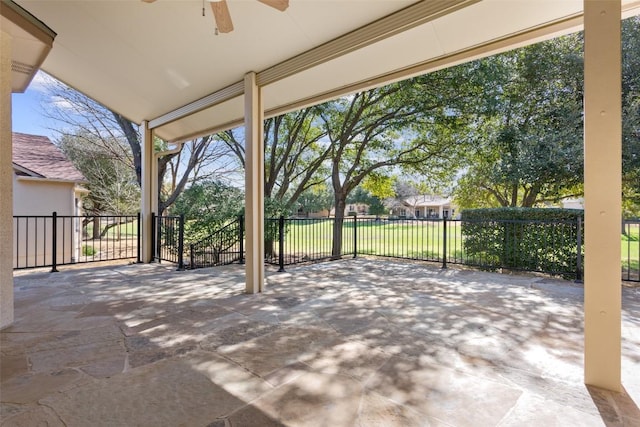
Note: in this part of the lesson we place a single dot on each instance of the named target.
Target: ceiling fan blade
(281, 5)
(221, 14)
(148, 1)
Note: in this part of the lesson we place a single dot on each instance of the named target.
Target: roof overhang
(31, 42)
(25, 172)
(49, 180)
(162, 63)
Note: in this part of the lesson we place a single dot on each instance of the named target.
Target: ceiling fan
(221, 14)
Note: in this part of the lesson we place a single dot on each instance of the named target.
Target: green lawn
(406, 238)
(122, 231)
(630, 245)
(410, 239)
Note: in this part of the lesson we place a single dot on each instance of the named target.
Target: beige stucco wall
(32, 237)
(6, 176)
(42, 197)
(320, 214)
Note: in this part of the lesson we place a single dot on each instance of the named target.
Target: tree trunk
(340, 203)
(96, 227)
(268, 247)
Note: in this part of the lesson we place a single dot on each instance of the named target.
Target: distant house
(573, 203)
(302, 213)
(44, 181)
(424, 206)
(353, 209)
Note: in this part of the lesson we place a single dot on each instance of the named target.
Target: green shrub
(88, 250)
(543, 240)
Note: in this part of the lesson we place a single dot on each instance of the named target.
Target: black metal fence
(552, 247)
(168, 239)
(225, 246)
(298, 240)
(54, 240)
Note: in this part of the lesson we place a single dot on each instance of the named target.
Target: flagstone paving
(347, 343)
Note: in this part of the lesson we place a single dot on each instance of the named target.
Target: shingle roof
(39, 155)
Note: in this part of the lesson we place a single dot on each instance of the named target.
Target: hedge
(533, 239)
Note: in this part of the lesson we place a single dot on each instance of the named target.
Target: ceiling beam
(215, 98)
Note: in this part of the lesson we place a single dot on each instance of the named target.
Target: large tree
(78, 116)
(111, 181)
(529, 132)
(411, 124)
(294, 154)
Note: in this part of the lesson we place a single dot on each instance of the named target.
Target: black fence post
(54, 242)
(139, 256)
(241, 237)
(154, 236)
(281, 244)
(355, 235)
(181, 243)
(579, 250)
(444, 242)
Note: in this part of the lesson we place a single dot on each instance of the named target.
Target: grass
(410, 239)
(630, 248)
(129, 229)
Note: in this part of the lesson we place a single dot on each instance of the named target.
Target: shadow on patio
(345, 343)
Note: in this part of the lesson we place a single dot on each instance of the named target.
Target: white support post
(6, 183)
(147, 191)
(254, 184)
(602, 189)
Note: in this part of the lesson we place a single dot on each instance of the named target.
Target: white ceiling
(145, 60)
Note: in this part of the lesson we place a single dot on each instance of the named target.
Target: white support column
(6, 183)
(254, 184)
(147, 195)
(602, 189)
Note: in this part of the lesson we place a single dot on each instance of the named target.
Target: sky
(27, 110)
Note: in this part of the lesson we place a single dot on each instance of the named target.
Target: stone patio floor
(346, 343)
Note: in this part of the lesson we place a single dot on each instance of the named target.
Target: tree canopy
(111, 181)
(79, 117)
(294, 154)
(631, 116)
(207, 206)
(528, 131)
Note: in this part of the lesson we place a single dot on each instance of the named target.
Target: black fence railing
(551, 247)
(298, 240)
(168, 239)
(225, 246)
(489, 245)
(55, 240)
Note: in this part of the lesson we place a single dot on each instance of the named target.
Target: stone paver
(347, 343)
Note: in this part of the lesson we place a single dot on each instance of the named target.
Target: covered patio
(352, 342)
(162, 66)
